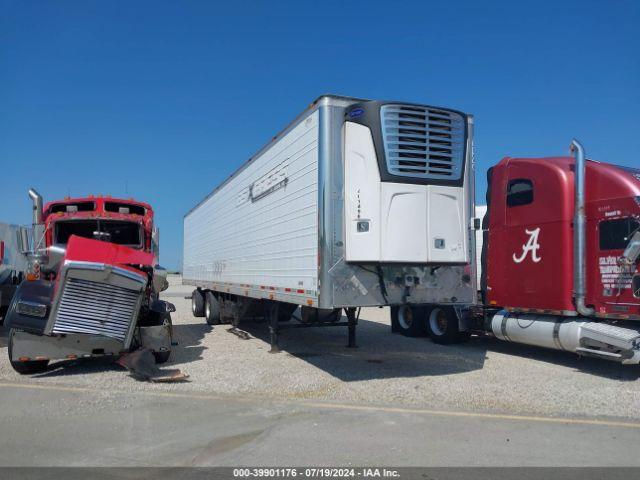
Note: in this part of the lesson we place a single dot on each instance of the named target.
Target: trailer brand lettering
(269, 183)
(532, 246)
(356, 112)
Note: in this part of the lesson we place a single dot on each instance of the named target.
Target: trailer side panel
(257, 235)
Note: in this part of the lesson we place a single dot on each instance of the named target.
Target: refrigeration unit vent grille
(96, 308)
(423, 142)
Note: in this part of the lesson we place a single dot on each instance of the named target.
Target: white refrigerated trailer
(355, 203)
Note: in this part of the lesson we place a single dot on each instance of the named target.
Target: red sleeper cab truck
(559, 261)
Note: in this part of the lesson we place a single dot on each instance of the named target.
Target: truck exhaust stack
(36, 198)
(579, 232)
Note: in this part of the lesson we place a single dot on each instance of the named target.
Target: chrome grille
(423, 142)
(96, 308)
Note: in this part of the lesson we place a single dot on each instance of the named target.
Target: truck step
(613, 335)
(598, 353)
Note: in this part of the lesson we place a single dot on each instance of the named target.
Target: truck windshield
(122, 233)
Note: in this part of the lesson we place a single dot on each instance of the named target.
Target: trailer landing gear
(273, 327)
(352, 321)
(275, 316)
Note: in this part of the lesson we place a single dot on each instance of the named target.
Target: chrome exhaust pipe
(36, 198)
(579, 232)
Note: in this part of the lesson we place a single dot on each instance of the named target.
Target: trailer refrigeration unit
(560, 259)
(92, 284)
(356, 203)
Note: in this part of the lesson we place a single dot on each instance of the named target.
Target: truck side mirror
(632, 252)
(24, 244)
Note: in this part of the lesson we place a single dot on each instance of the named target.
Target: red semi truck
(559, 261)
(92, 285)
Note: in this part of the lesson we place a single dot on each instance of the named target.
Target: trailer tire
(25, 368)
(408, 320)
(442, 325)
(197, 303)
(211, 309)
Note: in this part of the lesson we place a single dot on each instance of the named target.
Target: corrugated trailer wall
(259, 233)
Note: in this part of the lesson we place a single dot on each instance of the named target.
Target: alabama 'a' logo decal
(532, 246)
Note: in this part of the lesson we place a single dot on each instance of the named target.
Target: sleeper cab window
(615, 234)
(519, 192)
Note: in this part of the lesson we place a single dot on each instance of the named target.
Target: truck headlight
(32, 309)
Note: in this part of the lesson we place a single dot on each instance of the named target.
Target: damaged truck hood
(82, 249)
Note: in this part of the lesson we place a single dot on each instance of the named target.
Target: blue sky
(163, 100)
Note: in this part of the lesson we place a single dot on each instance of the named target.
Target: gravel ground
(481, 375)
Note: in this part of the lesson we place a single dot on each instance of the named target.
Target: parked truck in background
(560, 260)
(13, 264)
(356, 203)
(92, 284)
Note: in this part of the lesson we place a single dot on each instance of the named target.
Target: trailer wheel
(25, 368)
(407, 320)
(211, 309)
(442, 325)
(197, 303)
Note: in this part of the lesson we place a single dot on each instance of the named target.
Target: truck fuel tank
(578, 335)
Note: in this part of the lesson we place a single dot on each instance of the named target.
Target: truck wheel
(442, 325)
(211, 309)
(197, 303)
(25, 368)
(407, 320)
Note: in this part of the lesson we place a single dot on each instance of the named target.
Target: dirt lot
(483, 375)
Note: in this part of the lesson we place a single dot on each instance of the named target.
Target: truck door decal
(532, 246)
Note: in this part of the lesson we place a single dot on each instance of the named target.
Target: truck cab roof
(105, 207)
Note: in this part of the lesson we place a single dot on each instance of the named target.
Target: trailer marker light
(309, 302)
(300, 290)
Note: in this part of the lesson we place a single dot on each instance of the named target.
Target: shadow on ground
(378, 355)
(381, 354)
(189, 349)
